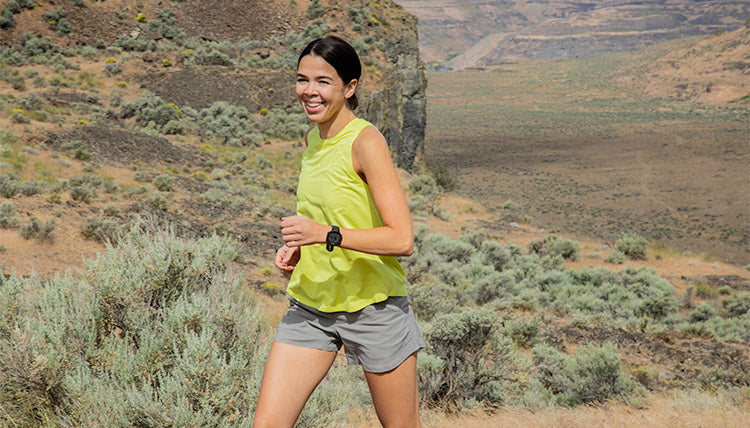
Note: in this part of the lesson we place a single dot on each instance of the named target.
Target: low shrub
(8, 218)
(42, 232)
(510, 212)
(702, 312)
(737, 305)
(592, 375)
(164, 182)
(553, 245)
(456, 345)
(632, 245)
(615, 256)
(423, 185)
(10, 185)
(102, 230)
(155, 332)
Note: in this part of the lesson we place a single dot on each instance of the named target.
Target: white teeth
(313, 105)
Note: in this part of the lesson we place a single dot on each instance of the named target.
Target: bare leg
(291, 374)
(395, 395)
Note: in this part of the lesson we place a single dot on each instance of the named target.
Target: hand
(299, 230)
(287, 258)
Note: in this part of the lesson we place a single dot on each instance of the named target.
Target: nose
(310, 89)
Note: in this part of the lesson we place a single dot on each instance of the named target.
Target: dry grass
(685, 409)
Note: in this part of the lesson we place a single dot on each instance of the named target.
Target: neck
(333, 126)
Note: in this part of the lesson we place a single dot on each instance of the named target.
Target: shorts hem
(301, 345)
(414, 347)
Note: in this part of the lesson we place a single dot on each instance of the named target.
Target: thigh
(290, 376)
(395, 394)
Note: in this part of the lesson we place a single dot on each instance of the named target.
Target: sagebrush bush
(593, 374)
(164, 182)
(553, 245)
(42, 232)
(615, 256)
(737, 305)
(151, 111)
(456, 372)
(102, 230)
(424, 185)
(10, 185)
(8, 218)
(156, 332)
(632, 245)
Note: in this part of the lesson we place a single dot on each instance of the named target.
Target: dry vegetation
(588, 157)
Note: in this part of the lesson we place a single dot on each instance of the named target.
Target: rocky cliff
(461, 34)
(245, 52)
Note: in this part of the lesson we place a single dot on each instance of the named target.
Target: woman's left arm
(371, 159)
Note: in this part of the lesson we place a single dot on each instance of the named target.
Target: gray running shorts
(379, 337)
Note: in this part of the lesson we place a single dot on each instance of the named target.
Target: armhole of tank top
(351, 153)
(304, 139)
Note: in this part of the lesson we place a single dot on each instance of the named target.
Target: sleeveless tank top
(332, 193)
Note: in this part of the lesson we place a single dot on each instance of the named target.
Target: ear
(350, 88)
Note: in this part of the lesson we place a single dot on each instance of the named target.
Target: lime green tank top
(331, 192)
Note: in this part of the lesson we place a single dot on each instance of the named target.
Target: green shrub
(510, 212)
(31, 187)
(429, 300)
(36, 229)
(736, 305)
(423, 185)
(10, 185)
(153, 333)
(224, 122)
(83, 192)
(556, 246)
(56, 18)
(632, 245)
(151, 111)
(705, 291)
(615, 256)
(102, 230)
(658, 306)
(593, 374)
(164, 182)
(418, 205)
(8, 219)
(209, 56)
(315, 9)
(703, 312)
(523, 331)
(456, 343)
(78, 150)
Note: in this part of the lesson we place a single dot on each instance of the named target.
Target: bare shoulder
(370, 149)
(370, 138)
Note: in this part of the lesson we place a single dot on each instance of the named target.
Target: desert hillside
(472, 33)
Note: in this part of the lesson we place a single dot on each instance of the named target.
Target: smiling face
(322, 93)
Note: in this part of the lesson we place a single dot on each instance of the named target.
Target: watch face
(334, 238)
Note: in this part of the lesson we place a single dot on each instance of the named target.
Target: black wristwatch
(333, 238)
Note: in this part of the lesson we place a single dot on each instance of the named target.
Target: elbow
(407, 247)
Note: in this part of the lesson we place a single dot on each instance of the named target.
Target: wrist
(333, 238)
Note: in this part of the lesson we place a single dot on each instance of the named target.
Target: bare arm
(371, 159)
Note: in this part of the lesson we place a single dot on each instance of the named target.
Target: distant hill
(711, 69)
(461, 34)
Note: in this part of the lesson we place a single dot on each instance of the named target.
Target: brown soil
(113, 142)
(199, 87)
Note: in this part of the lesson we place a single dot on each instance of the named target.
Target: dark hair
(342, 57)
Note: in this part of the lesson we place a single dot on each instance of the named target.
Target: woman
(346, 286)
